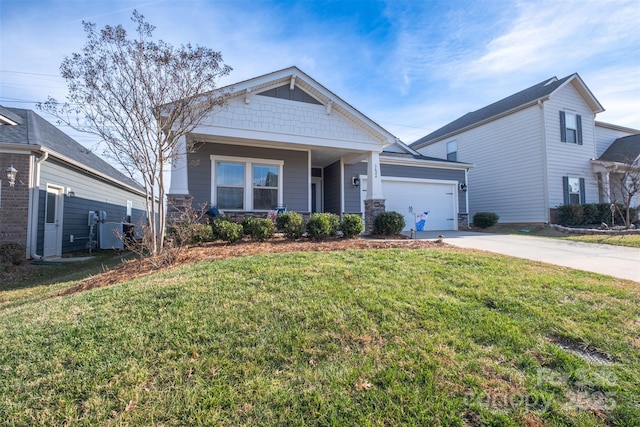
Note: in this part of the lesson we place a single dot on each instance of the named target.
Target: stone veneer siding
(372, 208)
(14, 201)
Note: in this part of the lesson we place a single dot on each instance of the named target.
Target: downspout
(33, 205)
(466, 195)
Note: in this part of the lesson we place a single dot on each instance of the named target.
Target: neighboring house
(57, 183)
(531, 151)
(618, 170)
(284, 140)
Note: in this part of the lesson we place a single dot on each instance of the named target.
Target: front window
(243, 184)
(230, 186)
(574, 191)
(265, 187)
(571, 128)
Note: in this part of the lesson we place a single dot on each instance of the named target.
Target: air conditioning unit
(111, 234)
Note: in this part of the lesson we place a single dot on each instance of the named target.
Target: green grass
(382, 337)
(542, 230)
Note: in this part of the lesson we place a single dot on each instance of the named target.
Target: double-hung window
(574, 190)
(244, 184)
(570, 127)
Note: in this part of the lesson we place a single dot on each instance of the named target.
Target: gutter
(32, 230)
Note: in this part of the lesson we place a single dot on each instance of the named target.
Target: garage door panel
(409, 198)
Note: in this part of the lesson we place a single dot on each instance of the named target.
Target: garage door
(434, 202)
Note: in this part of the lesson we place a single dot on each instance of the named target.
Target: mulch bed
(219, 250)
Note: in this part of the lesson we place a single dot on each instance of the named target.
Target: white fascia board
(617, 127)
(425, 163)
(92, 171)
(584, 91)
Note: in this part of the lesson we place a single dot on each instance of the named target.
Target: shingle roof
(527, 96)
(36, 131)
(391, 154)
(623, 150)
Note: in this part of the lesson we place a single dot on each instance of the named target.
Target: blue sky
(411, 66)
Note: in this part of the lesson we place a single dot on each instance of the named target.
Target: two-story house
(532, 151)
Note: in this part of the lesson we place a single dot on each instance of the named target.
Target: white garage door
(435, 202)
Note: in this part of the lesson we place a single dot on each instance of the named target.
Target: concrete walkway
(616, 261)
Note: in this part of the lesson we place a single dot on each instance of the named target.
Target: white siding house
(531, 151)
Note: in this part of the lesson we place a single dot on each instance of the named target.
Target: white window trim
(248, 178)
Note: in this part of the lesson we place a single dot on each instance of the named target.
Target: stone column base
(177, 205)
(372, 207)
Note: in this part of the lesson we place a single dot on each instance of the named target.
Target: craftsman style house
(284, 140)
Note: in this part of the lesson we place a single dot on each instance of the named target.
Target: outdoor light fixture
(355, 181)
(463, 186)
(11, 175)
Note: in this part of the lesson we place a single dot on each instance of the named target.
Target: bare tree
(139, 96)
(625, 185)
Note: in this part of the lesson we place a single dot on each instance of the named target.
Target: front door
(316, 194)
(53, 222)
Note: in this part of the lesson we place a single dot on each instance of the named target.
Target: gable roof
(511, 104)
(297, 78)
(34, 132)
(623, 150)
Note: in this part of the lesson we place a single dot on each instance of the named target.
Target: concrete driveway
(616, 261)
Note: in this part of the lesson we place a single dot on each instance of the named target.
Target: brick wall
(14, 201)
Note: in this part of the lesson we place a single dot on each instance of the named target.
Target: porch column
(179, 177)
(374, 202)
(178, 197)
(606, 187)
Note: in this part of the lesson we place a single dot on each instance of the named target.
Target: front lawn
(359, 337)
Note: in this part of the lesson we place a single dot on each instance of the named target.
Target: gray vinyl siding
(605, 137)
(353, 194)
(508, 173)
(332, 183)
(295, 172)
(568, 159)
(90, 193)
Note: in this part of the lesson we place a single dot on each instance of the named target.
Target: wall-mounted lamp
(463, 186)
(11, 175)
(355, 181)
(70, 193)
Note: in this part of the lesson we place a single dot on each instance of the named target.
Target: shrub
(351, 225)
(591, 213)
(12, 253)
(192, 233)
(322, 225)
(260, 228)
(230, 231)
(291, 224)
(248, 224)
(485, 219)
(388, 223)
(216, 222)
